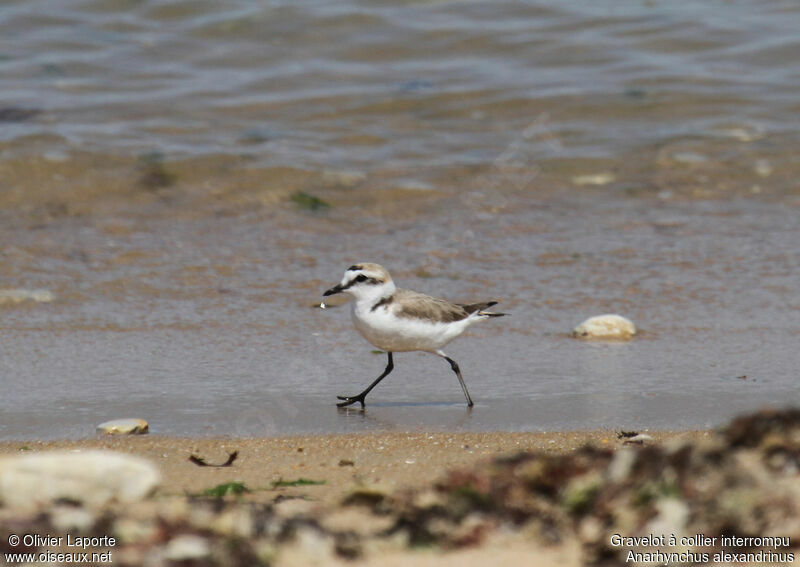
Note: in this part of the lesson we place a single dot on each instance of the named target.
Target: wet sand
(205, 326)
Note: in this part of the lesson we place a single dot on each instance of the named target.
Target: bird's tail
(481, 309)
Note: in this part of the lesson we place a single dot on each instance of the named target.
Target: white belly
(400, 334)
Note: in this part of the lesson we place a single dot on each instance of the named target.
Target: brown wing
(421, 306)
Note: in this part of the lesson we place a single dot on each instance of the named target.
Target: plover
(401, 320)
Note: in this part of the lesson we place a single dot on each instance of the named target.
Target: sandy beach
(342, 462)
(417, 498)
(342, 465)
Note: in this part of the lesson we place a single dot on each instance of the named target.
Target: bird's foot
(350, 400)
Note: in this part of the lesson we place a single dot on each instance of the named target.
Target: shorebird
(401, 320)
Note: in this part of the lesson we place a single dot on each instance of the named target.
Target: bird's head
(365, 281)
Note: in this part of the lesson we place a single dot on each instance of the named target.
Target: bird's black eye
(361, 278)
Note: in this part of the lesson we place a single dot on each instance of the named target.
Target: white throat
(371, 294)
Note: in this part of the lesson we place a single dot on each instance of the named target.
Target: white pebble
(607, 326)
(187, 547)
(594, 179)
(763, 168)
(20, 295)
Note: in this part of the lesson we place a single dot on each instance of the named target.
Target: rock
(308, 547)
(763, 168)
(234, 523)
(187, 548)
(92, 478)
(71, 519)
(594, 179)
(605, 327)
(127, 426)
(690, 158)
(128, 530)
(590, 530)
(20, 295)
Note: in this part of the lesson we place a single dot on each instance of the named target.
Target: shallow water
(159, 160)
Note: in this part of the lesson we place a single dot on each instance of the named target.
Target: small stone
(429, 500)
(607, 326)
(590, 530)
(56, 156)
(357, 520)
(594, 179)
(234, 523)
(128, 530)
(689, 157)
(343, 178)
(294, 507)
(763, 168)
(127, 426)
(187, 548)
(20, 295)
(71, 519)
(309, 547)
(744, 133)
(92, 478)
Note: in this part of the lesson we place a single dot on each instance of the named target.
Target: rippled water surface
(186, 177)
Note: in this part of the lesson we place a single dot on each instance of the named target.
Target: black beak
(335, 289)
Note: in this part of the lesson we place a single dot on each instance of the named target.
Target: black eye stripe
(361, 278)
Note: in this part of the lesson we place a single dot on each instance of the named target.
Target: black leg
(457, 370)
(348, 400)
